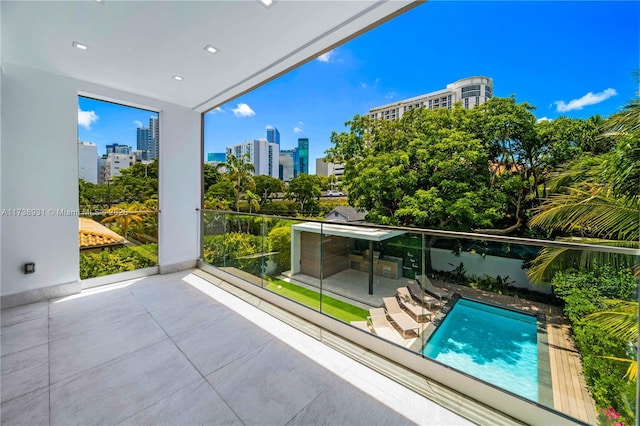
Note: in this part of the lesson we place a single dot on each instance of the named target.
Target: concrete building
(470, 91)
(88, 162)
(264, 156)
(114, 164)
(328, 169)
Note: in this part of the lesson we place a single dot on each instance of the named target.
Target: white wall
(42, 120)
(476, 264)
(39, 134)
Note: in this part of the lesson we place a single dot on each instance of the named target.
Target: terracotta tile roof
(93, 234)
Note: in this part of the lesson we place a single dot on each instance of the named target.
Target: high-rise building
(328, 169)
(264, 156)
(287, 162)
(88, 162)
(302, 156)
(118, 149)
(154, 138)
(273, 135)
(470, 91)
(143, 140)
(216, 157)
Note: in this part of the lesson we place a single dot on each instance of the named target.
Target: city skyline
(566, 58)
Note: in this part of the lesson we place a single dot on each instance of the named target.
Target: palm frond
(621, 320)
(590, 210)
(552, 259)
(632, 370)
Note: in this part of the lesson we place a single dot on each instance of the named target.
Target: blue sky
(566, 58)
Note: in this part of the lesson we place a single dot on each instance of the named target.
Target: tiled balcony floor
(176, 350)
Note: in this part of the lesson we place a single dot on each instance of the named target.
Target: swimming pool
(496, 345)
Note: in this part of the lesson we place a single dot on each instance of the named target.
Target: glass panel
(467, 302)
(235, 244)
(117, 240)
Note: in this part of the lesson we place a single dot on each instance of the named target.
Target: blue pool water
(496, 345)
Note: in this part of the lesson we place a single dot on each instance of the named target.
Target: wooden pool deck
(569, 389)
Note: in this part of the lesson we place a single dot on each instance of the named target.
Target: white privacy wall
(39, 166)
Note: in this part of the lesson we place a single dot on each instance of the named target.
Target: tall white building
(328, 169)
(263, 155)
(114, 163)
(88, 162)
(470, 91)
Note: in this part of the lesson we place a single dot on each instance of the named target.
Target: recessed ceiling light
(209, 48)
(266, 2)
(79, 45)
(177, 77)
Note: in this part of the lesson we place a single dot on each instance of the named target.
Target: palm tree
(597, 202)
(621, 321)
(240, 170)
(124, 215)
(253, 200)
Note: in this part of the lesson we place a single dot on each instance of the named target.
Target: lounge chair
(400, 317)
(363, 325)
(381, 325)
(417, 311)
(419, 296)
(428, 286)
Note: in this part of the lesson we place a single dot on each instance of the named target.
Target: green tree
(136, 183)
(223, 190)
(211, 176)
(240, 172)
(595, 200)
(125, 215)
(267, 187)
(306, 190)
(418, 171)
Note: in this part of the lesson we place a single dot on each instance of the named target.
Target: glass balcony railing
(481, 305)
(116, 240)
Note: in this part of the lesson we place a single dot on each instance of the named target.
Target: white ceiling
(139, 46)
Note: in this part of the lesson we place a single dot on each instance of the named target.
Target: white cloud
(389, 95)
(299, 127)
(268, 126)
(363, 84)
(327, 57)
(138, 123)
(588, 99)
(87, 118)
(216, 110)
(539, 120)
(243, 110)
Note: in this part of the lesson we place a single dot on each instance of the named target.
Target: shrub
(583, 293)
(279, 240)
(112, 262)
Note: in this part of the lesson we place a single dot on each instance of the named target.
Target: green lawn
(330, 306)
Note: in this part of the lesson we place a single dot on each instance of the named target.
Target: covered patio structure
(320, 250)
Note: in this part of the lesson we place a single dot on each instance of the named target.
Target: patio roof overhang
(138, 46)
(361, 233)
